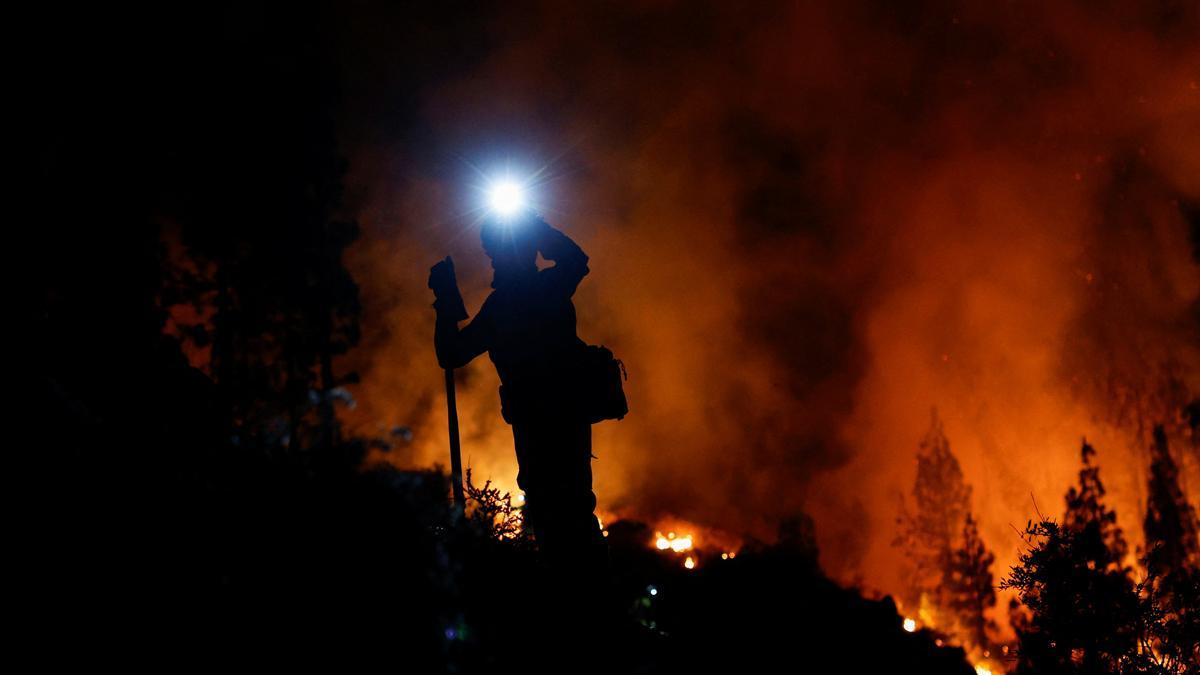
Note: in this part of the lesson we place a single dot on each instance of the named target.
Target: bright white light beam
(505, 198)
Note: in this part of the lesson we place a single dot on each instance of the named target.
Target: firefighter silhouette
(527, 327)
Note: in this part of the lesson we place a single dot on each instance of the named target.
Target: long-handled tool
(450, 308)
(456, 477)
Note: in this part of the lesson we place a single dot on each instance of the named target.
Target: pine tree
(1085, 614)
(1170, 524)
(1172, 560)
(969, 586)
(1087, 514)
(928, 534)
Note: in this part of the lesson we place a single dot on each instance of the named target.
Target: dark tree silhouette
(263, 242)
(1172, 559)
(199, 500)
(928, 533)
(1087, 513)
(970, 589)
(1170, 525)
(1084, 612)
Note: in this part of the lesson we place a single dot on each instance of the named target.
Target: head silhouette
(512, 244)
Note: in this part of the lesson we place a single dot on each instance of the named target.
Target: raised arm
(570, 262)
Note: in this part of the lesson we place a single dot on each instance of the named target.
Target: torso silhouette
(527, 327)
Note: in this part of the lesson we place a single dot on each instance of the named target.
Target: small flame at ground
(690, 563)
(981, 669)
(670, 541)
(910, 625)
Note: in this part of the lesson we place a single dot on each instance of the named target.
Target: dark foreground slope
(148, 564)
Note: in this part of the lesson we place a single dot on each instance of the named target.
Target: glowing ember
(910, 625)
(690, 563)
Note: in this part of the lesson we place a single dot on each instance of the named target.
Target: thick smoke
(808, 225)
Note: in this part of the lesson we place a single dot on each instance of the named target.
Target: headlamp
(505, 198)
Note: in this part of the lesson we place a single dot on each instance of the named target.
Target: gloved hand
(558, 247)
(449, 302)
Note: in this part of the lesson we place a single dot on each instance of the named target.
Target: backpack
(602, 385)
